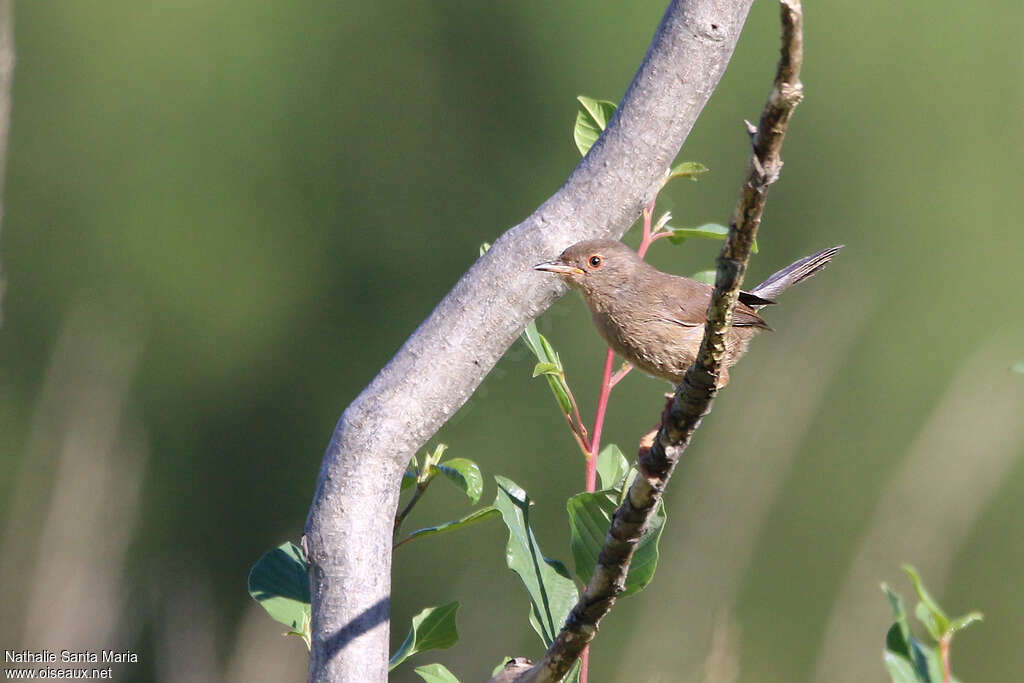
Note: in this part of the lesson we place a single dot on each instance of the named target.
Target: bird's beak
(558, 267)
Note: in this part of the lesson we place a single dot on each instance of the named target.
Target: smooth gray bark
(350, 524)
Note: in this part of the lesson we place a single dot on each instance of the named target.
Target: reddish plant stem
(580, 440)
(661, 235)
(621, 373)
(646, 240)
(607, 382)
(944, 642)
(602, 409)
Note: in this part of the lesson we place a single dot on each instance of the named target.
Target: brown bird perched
(656, 320)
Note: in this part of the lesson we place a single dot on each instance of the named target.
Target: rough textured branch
(349, 528)
(696, 393)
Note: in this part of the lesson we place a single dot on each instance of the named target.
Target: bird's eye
(595, 261)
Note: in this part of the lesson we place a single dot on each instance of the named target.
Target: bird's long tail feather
(794, 273)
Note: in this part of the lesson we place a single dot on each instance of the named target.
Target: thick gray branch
(350, 524)
(694, 396)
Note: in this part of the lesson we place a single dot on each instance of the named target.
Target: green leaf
(927, 617)
(561, 392)
(707, 276)
(611, 466)
(411, 474)
(906, 658)
(708, 231)
(931, 615)
(431, 459)
(466, 475)
(531, 337)
(549, 365)
(592, 117)
(436, 673)
(279, 581)
(481, 515)
(549, 352)
(900, 669)
(898, 638)
(432, 629)
(590, 516)
(688, 169)
(546, 369)
(960, 623)
(552, 593)
(484, 246)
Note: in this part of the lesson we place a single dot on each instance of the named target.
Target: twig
(694, 396)
(416, 495)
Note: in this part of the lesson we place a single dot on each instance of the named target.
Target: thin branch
(621, 373)
(694, 396)
(350, 523)
(578, 428)
(416, 495)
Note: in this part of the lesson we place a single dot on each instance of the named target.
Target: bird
(655, 320)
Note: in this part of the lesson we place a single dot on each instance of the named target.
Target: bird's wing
(688, 306)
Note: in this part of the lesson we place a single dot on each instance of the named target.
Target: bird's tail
(795, 272)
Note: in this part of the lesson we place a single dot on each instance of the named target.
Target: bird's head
(596, 266)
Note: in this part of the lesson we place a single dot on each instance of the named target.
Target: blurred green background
(222, 218)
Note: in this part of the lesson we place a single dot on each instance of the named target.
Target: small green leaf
(411, 474)
(279, 581)
(938, 618)
(552, 592)
(688, 169)
(561, 392)
(960, 623)
(549, 365)
(901, 627)
(611, 466)
(900, 669)
(436, 673)
(928, 618)
(706, 276)
(546, 369)
(708, 231)
(551, 356)
(431, 459)
(531, 337)
(481, 515)
(592, 117)
(590, 516)
(484, 246)
(432, 629)
(466, 475)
